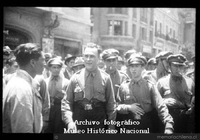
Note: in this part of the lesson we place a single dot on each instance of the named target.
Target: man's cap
(177, 59)
(129, 53)
(120, 59)
(110, 54)
(137, 59)
(78, 61)
(152, 61)
(55, 61)
(163, 55)
(48, 55)
(6, 48)
(69, 57)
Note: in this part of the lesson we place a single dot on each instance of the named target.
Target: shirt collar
(136, 82)
(54, 77)
(87, 73)
(113, 73)
(176, 78)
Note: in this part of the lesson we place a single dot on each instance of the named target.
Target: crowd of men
(44, 94)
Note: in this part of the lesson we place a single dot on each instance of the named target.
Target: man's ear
(32, 62)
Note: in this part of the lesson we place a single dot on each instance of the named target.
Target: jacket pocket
(78, 93)
(100, 94)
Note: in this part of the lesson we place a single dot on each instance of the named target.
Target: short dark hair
(25, 52)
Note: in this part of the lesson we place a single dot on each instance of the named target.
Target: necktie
(52, 86)
(177, 78)
(89, 86)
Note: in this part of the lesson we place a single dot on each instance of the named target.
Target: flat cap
(69, 57)
(152, 61)
(109, 54)
(55, 61)
(6, 48)
(120, 59)
(163, 55)
(78, 61)
(137, 59)
(177, 59)
(48, 55)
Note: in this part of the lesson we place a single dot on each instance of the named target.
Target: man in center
(137, 98)
(110, 58)
(90, 95)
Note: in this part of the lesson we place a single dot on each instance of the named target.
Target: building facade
(166, 30)
(123, 29)
(187, 18)
(58, 30)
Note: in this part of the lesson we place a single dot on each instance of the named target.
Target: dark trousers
(56, 125)
(148, 120)
(95, 114)
(181, 120)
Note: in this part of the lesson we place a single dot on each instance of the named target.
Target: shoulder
(125, 82)
(190, 72)
(122, 73)
(103, 73)
(18, 85)
(164, 78)
(189, 79)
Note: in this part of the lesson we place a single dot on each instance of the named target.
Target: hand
(168, 131)
(72, 127)
(60, 94)
(173, 102)
(45, 125)
(136, 109)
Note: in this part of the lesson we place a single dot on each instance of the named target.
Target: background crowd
(43, 93)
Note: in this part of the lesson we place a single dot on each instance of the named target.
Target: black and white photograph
(99, 70)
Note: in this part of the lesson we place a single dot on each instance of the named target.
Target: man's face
(177, 70)
(162, 64)
(152, 67)
(71, 63)
(136, 70)
(39, 64)
(111, 64)
(55, 69)
(91, 58)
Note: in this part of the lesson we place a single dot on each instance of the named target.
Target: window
(160, 28)
(110, 27)
(166, 30)
(151, 16)
(126, 30)
(143, 14)
(151, 36)
(117, 27)
(134, 13)
(155, 26)
(173, 33)
(134, 31)
(143, 33)
(170, 32)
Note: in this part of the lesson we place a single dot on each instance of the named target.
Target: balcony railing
(166, 37)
